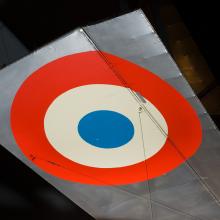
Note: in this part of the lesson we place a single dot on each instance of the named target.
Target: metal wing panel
(181, 194)
(199, 196)
(101, 202)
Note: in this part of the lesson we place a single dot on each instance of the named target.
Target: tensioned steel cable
(143, 146)
(118, 188)
(134, 95)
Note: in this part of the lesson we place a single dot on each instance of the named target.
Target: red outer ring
(39, 90)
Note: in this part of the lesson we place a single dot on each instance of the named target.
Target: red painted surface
(40, 89)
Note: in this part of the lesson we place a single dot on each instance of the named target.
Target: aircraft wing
(159, 160)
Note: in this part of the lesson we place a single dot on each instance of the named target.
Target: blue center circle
(105, 129)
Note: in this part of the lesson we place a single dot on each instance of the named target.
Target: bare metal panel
(189, 192)
(100, 202)
(194, 194)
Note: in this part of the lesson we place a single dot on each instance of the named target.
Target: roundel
(83, 120)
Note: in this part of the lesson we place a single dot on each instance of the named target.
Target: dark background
(35, 23)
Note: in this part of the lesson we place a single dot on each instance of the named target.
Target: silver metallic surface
(191, 191)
